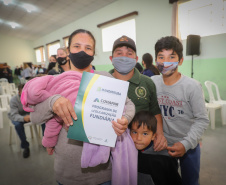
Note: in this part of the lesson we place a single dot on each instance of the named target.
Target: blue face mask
(167, 68)
(123, 64)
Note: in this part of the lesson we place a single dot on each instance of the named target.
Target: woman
(147, 62)
(52, 63)
(27, 72)
(68, 152)
(63, 63)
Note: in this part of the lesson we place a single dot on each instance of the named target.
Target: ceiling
(51, 15)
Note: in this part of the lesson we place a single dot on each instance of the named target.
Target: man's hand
(160, 142)
(120, 126)
(177, 150)
(27, 118)
(64, 109)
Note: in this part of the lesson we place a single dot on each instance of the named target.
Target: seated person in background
(149, 68)
(139, 67)
(19, 117)
(63, 62)
(52, 63)
(159, 166)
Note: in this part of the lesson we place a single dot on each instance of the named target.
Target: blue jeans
(43, 128)
(190, 166)
(105, 183)
(19, 126)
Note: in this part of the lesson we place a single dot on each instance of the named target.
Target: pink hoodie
(65, 84)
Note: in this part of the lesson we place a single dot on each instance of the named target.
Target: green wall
(207, 69)
(14, 51)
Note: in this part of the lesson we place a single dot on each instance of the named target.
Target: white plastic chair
(4, 107)
(13, 89)
(211, 109)
(217, 101)
(12, 131)
(2, 80)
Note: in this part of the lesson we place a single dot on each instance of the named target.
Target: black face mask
(52, 64)
(61, 60)
(81, 60)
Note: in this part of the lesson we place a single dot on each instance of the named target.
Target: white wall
(15, 51)
(153, 21)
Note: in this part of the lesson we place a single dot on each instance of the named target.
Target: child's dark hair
(169, 42)
(145, 118)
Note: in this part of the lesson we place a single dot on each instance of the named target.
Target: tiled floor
(38, 168)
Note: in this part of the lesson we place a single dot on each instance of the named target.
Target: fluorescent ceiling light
(29, 7)
(13, 24)
(7, 2)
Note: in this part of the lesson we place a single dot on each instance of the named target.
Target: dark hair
(145, 118)
(148, 60)
(20, 87)
(169, 42)
(139, 67)
(54, 56)
(81, 31)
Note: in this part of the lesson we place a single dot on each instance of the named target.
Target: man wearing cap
(142, 90)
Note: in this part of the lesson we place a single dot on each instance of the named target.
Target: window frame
(42, 54)
(51, 44)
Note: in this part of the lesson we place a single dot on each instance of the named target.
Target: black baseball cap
(124, 41)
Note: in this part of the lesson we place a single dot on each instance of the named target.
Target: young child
(162, 168)
(183, 108)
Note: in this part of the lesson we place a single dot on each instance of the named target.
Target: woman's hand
(120, 126)
(64, 109)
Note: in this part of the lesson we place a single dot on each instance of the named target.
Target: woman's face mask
(123, 64)
(61, 60)
(167, 68)
(81, 60)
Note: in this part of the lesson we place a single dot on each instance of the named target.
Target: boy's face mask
(167, 68)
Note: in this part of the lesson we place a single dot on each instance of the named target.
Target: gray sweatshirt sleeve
(129, 110)
(43, 111)
(14, 111)
(200, 122)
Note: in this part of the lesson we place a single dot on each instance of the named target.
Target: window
(52, 48)
(66, 41)
(111, 33)
(202, 17)
(113, 29)
(40, 54)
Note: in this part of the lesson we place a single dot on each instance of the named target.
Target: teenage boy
(160, 166)
(141, 90)
(183, 108)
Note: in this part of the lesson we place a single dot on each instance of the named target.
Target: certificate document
(100, 100)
